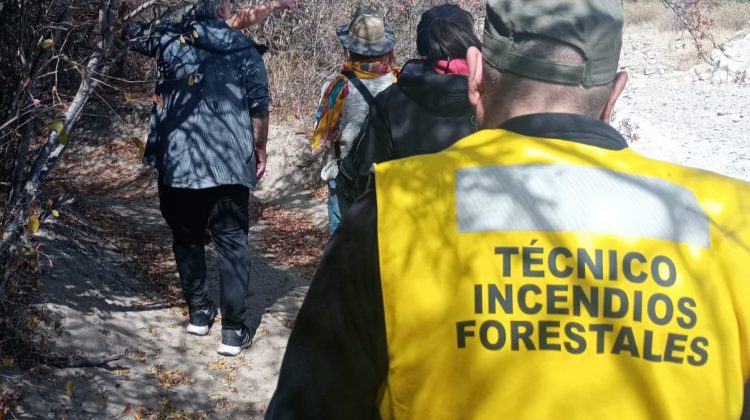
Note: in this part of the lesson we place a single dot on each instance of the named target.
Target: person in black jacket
(428, 109)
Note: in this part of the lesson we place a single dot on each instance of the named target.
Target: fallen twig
(66, 362)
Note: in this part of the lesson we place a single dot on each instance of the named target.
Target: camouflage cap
(594, 27)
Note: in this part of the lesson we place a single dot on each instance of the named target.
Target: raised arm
(254, 14)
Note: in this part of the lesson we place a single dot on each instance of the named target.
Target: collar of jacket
(441, 94)
(571, 127)
(216, 36)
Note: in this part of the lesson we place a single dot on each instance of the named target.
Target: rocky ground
(698, 117)
(108, 286)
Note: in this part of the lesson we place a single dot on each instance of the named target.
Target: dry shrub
(725, 17)
(731, 16)
(304, 49)
(643, 12)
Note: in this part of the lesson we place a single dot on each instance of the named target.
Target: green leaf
(58, 126)
(69, 387)
(191, 80)
(33, 226)
(128, 96)
(61, 131)
(195, 34)
(47, 43)
(28, 253)
(55, 213)
(182, 40)
(8, 363)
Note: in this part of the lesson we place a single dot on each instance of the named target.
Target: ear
(621, 79)
(476, 78)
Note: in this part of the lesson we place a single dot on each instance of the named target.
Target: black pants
(224, 210)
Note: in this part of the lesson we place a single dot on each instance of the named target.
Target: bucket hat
(366, 34)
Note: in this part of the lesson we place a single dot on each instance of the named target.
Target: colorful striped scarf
(330, 110)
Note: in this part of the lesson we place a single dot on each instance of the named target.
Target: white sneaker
(201, 321)
(233, 341)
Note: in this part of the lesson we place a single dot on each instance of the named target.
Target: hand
(285, 4)
(261, 157)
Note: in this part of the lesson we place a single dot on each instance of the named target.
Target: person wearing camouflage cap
(537, 269)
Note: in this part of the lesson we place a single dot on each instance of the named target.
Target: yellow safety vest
(528, 278)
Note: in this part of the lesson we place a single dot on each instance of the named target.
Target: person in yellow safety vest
(538, 269)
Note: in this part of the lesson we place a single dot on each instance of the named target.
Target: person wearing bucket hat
(428, 109)
(536, 269)
(346, 96)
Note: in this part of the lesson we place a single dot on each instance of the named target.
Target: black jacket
(424, 112)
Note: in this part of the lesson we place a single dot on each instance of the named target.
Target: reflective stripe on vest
(531, 278)
(566, 198)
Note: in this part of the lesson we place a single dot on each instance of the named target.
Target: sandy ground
(95, 304)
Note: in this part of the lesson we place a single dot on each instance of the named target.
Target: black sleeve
(336, 359)
(746, 403)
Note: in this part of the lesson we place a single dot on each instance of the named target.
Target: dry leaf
(128, 96)
(195, 34)
(182, 40)
(126, 410)
(47, 43)
(137, 415)
(191, 80)
(158, 100)
(139, 144)
(69, 387)
(8, 363)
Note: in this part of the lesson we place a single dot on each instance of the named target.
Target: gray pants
(224, 210)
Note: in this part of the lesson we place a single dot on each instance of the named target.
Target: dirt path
(110, 289)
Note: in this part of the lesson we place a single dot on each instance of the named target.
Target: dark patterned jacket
(211, 81)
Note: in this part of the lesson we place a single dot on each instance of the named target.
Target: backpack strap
(365, 94)
(360, 87)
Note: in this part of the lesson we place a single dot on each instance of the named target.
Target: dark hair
(387, 58)
(445, 32)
